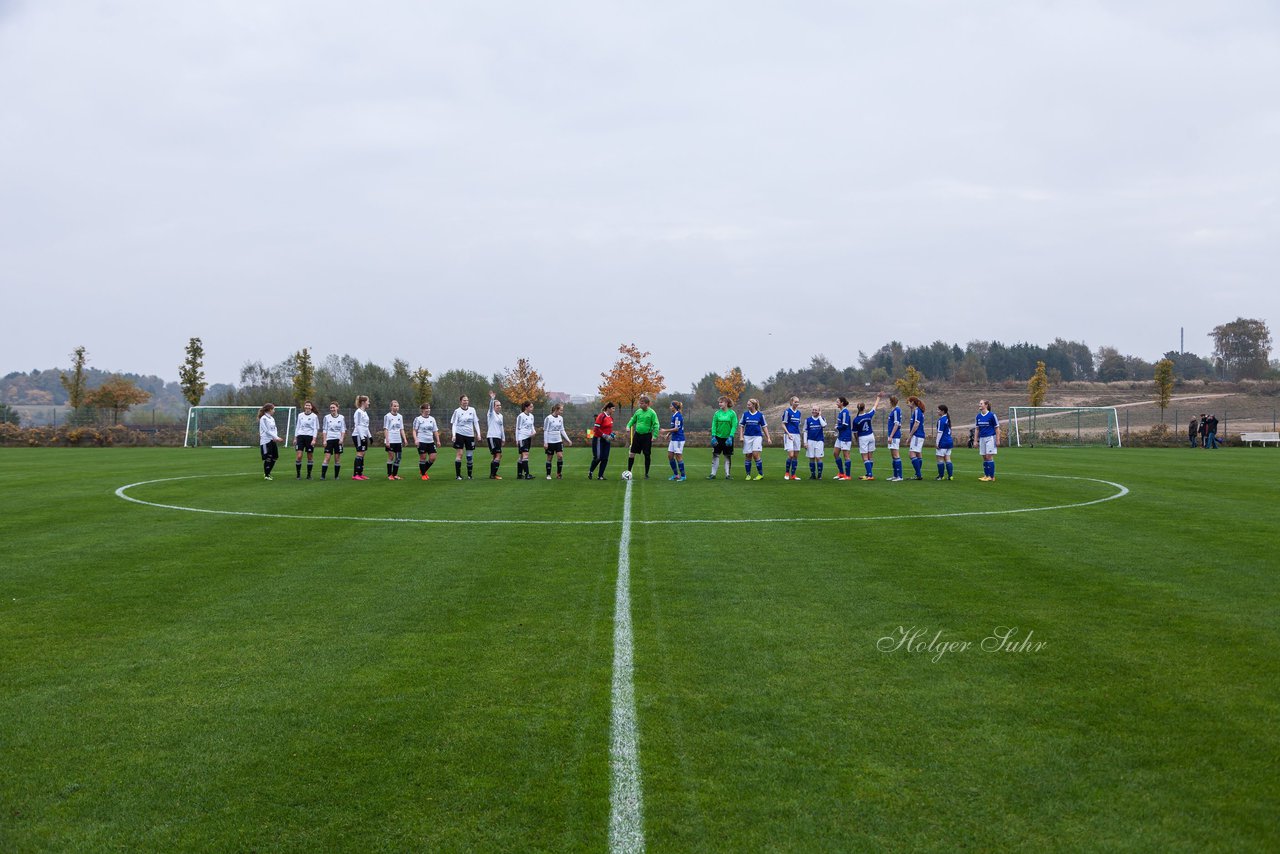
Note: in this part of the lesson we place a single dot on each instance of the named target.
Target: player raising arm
(495, 432)
(866, 436)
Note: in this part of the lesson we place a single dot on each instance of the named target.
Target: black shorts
(304, 443)
(426, 447)
(361, 443)
(461, 442)
(554, 448)
(524, 445)
(395, 447)
(270, 451)
(641, 443)
(495, 446)
(333, 446)
(722, 446)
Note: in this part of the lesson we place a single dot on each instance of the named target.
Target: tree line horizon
(1241, 351)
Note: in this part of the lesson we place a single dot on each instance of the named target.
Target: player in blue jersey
(988, 437)
(893, 438)
(814, 427)
(792, 420)
(754, 432)
(675, 443)
(944, 442)
(844, 440)
(915, 429)
(866, 434)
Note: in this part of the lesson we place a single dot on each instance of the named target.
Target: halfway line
(626, 823)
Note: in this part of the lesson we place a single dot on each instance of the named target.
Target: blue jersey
(895, 423)
(791, 419)
(944, 432)
(752, 423)
(677, 427)
(917, 422)
(844, 425)
(813, 428)
(862, 423)
(987, 424)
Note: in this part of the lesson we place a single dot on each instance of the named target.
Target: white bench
(1260, 437)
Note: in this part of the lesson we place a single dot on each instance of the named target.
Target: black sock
(548, 466)
(422, 467)
(647, 460)
(298, 466)
(336, 468)
(457, 467)
(324, 470)
(429, 462)
(559, 466)
(493, 468)
(310, 465)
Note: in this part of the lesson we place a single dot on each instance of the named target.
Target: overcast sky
(722, 183)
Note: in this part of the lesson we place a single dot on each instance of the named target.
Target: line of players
(799, 433)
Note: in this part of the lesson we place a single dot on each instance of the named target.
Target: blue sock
(867, 464)
(748, 462)
(681, 465)
(993, 468)
(917, 463)
(759, 466)
(813, 467)
(950, 470)
(942, 469)
(839, 464)
(819, 468)
(674, 470)
(897, 467)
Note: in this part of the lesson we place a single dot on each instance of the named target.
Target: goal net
(232, 426)
(1064, 425)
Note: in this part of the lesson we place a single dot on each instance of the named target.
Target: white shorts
(791, 441)
(814, 448)
(943, 453)
(893, 444)
(843, 446)
(866, 444)
(752, 444)
(674, 447)
(986, 445)
(917, 444)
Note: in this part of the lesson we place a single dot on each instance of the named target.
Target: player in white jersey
(465, 426)
(427, 434)
(335, 433)
(394, 439)
(304, 437)
(268, 438)
(495, 432)
(524, 439)
(360, 434)
(554, 438)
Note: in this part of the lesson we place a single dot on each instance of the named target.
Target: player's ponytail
(266, 408)
(361, 398)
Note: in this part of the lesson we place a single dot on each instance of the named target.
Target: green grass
(178, 680)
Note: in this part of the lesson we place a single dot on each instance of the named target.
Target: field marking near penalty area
(1120, 492)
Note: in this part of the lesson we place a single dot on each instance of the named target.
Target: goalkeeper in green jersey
(724, 423)
(644, 422)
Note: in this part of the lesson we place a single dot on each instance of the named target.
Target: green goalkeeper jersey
(723, 423)
(645, 421)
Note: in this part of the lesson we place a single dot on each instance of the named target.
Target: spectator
(1193, 429)
(1211, 426)
(1204, 430)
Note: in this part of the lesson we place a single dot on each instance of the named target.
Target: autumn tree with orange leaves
(522, 384)
(630, 377)
(731, 385)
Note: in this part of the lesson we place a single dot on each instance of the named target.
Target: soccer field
(1082, 655)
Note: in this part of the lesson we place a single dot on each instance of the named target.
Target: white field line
(1121, 492)
(626, 822)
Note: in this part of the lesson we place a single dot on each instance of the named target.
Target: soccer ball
(626, 475)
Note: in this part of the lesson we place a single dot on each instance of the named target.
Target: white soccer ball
(626, 475)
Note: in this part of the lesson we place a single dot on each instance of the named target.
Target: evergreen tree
(1038, 386)
(191, 373)
(1164, 385)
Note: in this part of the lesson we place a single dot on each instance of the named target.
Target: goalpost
(1064, 425)
(232, 426)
